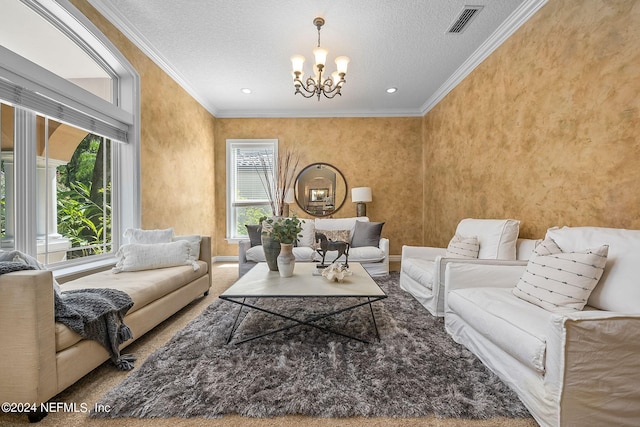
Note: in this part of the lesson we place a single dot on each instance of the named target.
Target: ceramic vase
(286, 260)
(271, 249)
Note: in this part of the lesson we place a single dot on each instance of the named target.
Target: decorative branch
(277, 180)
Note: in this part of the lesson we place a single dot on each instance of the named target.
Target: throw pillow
(463, 247)
(558, 281)
(255, 234)
(137, 235)
(194, 244)
(141, 256)
(366, 234)
(335, 235)
(308, 234)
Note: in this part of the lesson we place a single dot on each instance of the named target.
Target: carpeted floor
(92, 387)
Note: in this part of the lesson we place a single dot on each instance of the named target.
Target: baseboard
(225, 258)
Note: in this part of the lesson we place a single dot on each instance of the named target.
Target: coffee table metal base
(301, 322)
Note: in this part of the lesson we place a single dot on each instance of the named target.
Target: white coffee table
(260, 282)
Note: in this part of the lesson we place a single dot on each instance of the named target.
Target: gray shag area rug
(415, 370)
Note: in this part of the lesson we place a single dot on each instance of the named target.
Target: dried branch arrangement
(285, 174)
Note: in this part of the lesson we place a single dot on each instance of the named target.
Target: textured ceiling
(215, 48)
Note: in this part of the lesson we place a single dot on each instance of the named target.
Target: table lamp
(289, 197)
(361, 195)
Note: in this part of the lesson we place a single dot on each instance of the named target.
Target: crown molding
(122, 23)
(297, 114)
(519, 16)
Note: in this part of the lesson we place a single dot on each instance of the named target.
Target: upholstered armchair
(422, 268)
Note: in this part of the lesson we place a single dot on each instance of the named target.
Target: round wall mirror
(320, 189)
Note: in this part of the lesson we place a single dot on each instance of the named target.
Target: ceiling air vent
(463, 20)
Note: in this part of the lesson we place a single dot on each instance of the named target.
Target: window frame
(126, 200)
(231, 186)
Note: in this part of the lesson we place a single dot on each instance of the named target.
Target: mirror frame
(337, 203)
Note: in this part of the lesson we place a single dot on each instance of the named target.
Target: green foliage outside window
(83, 215)
(250, 215)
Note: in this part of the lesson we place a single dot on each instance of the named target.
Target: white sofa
(422, 268)
(375, 259)
(569, 369)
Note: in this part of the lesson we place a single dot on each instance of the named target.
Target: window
(248, 160)
(69, 140)
(73, 186)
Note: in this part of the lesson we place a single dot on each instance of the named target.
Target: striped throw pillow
(558, 281)
(463, 247)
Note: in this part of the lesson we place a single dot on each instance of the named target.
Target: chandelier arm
(309, 87)
(310, 94)
(332, 94)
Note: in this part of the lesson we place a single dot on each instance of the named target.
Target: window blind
(19, 96)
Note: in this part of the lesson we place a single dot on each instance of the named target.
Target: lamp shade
(341, 63)
(320, 55)
(361, 194)
(297, 62)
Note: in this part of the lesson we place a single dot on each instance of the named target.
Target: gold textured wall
(545, 130)
(381, 153)
(176, 144)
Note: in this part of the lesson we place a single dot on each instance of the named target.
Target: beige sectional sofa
(40, 357)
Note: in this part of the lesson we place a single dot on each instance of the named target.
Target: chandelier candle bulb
(321, 56)
(342, 62)
(297, 61)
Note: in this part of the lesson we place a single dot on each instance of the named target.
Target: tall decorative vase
(286, 260)
(271, 249)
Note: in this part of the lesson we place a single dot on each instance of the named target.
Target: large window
(69, 141)
(72, 183)
(248, 160)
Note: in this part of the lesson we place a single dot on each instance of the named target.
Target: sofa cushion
(366, 254)
(525, 248)
(137, 235)
(366, 234)
(497, 237)
(144, 287)
(618, 289)
(420, 270)
(256, 254)
(463, 247)
(559, 281)
(514, 325)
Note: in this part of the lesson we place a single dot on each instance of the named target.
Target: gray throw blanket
(11, 266)
(95, 314)
(98, 314)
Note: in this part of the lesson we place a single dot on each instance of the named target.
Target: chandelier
(319, 84)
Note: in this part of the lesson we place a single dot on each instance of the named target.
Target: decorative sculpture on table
(336, 273)
(330, 245)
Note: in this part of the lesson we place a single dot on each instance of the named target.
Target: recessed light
(392, 90)
(245, 90)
